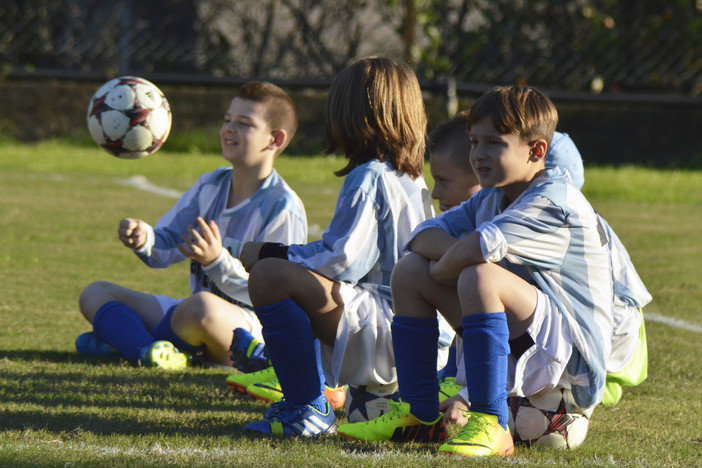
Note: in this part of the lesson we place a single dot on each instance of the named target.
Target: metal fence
(583, 46)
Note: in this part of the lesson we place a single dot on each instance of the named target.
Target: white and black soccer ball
(364, 403)
(550, 420)
(129, 117)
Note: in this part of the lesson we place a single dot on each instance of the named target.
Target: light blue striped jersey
(553, 234)
(274, 213)
(375, 214)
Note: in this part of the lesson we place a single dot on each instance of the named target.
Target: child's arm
(432, 243)
(461, 254)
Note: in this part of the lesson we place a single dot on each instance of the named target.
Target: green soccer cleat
(482, 436)
(239, 382)
(271, 391)
(164, 355)
(448, 388)
(398, 425)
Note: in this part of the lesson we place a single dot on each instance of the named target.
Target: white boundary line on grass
(672, 322)
(141, 182)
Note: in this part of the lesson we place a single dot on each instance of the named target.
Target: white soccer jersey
(375, 214)
(273, 214)
(553, 233)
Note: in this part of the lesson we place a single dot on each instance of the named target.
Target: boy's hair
(450, 138)
(517, 110)
(375, 110)
(281, 111)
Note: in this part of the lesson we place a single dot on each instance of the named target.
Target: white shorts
(362, 353)
(542, 366)
(167, 302)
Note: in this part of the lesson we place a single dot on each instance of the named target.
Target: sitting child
(522, 269)
(449, 147)
(326, 306)
(247, 201)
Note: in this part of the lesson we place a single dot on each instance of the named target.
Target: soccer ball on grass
(364, 403)
(549, 420)
(129, 117)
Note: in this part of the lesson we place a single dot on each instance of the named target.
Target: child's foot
(88, 344)
(285, 418)
(482, 436)
(164, 355)
(271, 391)
(398, 425)
(248, 354)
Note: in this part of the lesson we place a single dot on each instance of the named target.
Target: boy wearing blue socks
(521, 270)
(209, 224)
(326, 307)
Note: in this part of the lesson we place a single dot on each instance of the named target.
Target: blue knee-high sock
(450, 369)
(414, 342)
(164, 331)
(294, 352)
(122, 328)
(485, 350)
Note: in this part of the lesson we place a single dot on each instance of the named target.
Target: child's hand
(132, 232)
(249, 254)
(454, 410)
(203, 248)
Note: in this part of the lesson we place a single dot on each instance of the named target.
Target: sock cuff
(104, 309)
(496, 321)
(419, 325)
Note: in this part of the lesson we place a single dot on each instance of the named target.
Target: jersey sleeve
(227, 271)
(160, 249)
(533, 232)
(349, 246)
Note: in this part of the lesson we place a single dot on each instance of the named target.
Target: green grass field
(59, 208)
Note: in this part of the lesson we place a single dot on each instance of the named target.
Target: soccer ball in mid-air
(549, 420)
(129, 117)
(364, 403)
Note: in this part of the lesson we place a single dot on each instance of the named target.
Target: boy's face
(245, 135)
(452, 184)
(502, 160)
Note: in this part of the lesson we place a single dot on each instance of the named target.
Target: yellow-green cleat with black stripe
(482, 436)
(398, 425)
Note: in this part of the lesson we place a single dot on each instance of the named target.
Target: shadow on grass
(111, 397)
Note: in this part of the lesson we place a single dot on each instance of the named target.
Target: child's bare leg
(416, 294)
(415, 332)
(489, 288)
(97, 294)
(205, 319)
(273, 280)
(497, 305)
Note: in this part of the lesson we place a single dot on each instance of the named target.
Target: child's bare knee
(410, 270)
(93, 297)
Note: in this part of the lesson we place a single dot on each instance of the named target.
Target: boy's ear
(279, 138)
(538, 150)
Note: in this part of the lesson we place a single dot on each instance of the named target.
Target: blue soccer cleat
(88, 344)
(287, 419)
(248, 354)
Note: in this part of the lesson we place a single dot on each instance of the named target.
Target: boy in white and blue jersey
(326, 307)
(208, 225)
(455, 182)
(521, 268)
